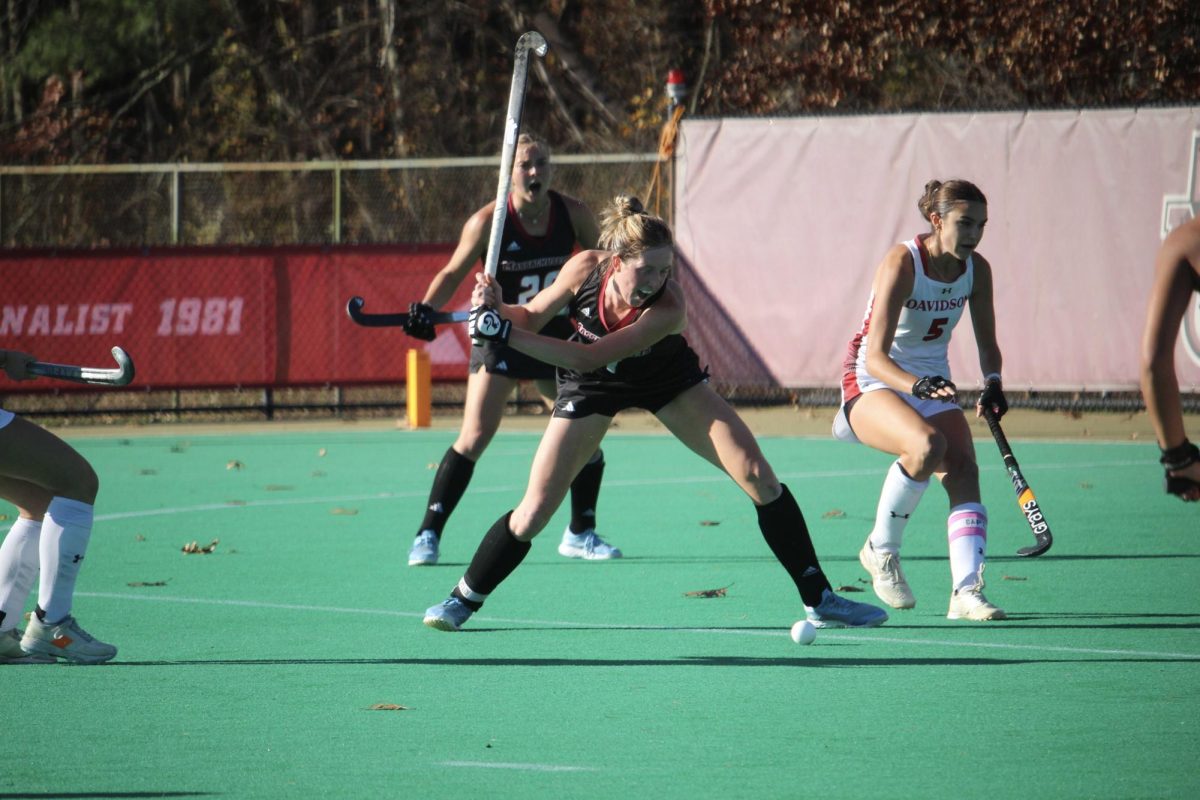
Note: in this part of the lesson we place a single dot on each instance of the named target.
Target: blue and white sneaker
(449, 615)
(586, 545)
(835, 611)
(424, 550)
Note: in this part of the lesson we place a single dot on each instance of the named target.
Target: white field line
(423, 492)
(835, 634)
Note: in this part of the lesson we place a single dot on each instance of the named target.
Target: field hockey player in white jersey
(54, 489)
(897, 395)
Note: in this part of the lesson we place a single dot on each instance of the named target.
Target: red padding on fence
(221, 317)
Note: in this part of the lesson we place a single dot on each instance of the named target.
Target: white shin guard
(18, 569)
(66, 530)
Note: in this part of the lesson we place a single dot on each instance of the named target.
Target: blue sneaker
(586, 545)
(424, 550)
(838, 612)
(449, 615)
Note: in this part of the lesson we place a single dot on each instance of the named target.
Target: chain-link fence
(351, 202)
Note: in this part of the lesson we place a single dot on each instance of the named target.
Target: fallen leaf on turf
(3, 517)
(147, 583)
(708, 523)
(147, 472)
(195, 547)
(848, 589)
(349, 512)
(432, 465)
(234, 464)
(139, 538)
(708, 592)
(1013, 578)
(833, 513)
(1085, 485)
(388, 707)
(179, 448)
(321, 453)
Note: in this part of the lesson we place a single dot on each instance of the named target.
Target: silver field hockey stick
(530, 40)
(121, 376)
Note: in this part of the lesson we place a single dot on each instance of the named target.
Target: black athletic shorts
(580, 397)
(503, 360)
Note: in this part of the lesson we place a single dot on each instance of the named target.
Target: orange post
(419, 389)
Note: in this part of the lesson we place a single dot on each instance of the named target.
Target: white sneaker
(65, 640)
(586, 545)
(968, 602)
(887, 577)
(11, 652)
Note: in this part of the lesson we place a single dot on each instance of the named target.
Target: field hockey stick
(530, 40)
(1025, 498)
(397, 320)
(120, 376)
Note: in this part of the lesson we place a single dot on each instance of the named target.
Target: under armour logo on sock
(436, 508)
(899, 516)
(76, 559)
(808, 573)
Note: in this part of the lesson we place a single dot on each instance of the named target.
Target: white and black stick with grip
(121, 376)
(529, 41)
(1025, 497)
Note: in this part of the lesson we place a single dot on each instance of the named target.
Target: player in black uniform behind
(541, 229)
(627, 351)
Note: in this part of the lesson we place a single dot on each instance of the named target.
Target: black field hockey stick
(397, 320)
(1025, 498)
(121, 376)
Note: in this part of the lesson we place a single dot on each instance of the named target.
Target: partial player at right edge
(1176, 280)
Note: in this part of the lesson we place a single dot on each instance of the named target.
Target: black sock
(786, 533)
(496, 557)
(449, 484)
(585, 491)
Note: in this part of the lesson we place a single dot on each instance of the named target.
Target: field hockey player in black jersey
(627, 351)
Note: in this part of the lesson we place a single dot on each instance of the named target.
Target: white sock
(897, 501)
(967, 528)
(18, 568)
(65, 533)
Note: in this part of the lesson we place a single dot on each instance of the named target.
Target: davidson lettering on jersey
(935, 305)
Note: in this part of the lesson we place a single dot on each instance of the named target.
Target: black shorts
(503, 360)
(578, 398)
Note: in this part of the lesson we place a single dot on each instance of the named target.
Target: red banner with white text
(224, 317)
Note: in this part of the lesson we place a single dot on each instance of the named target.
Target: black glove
(419, 324)
(925, 387)
(992, 397)
(1178, 458)
(486, 325)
